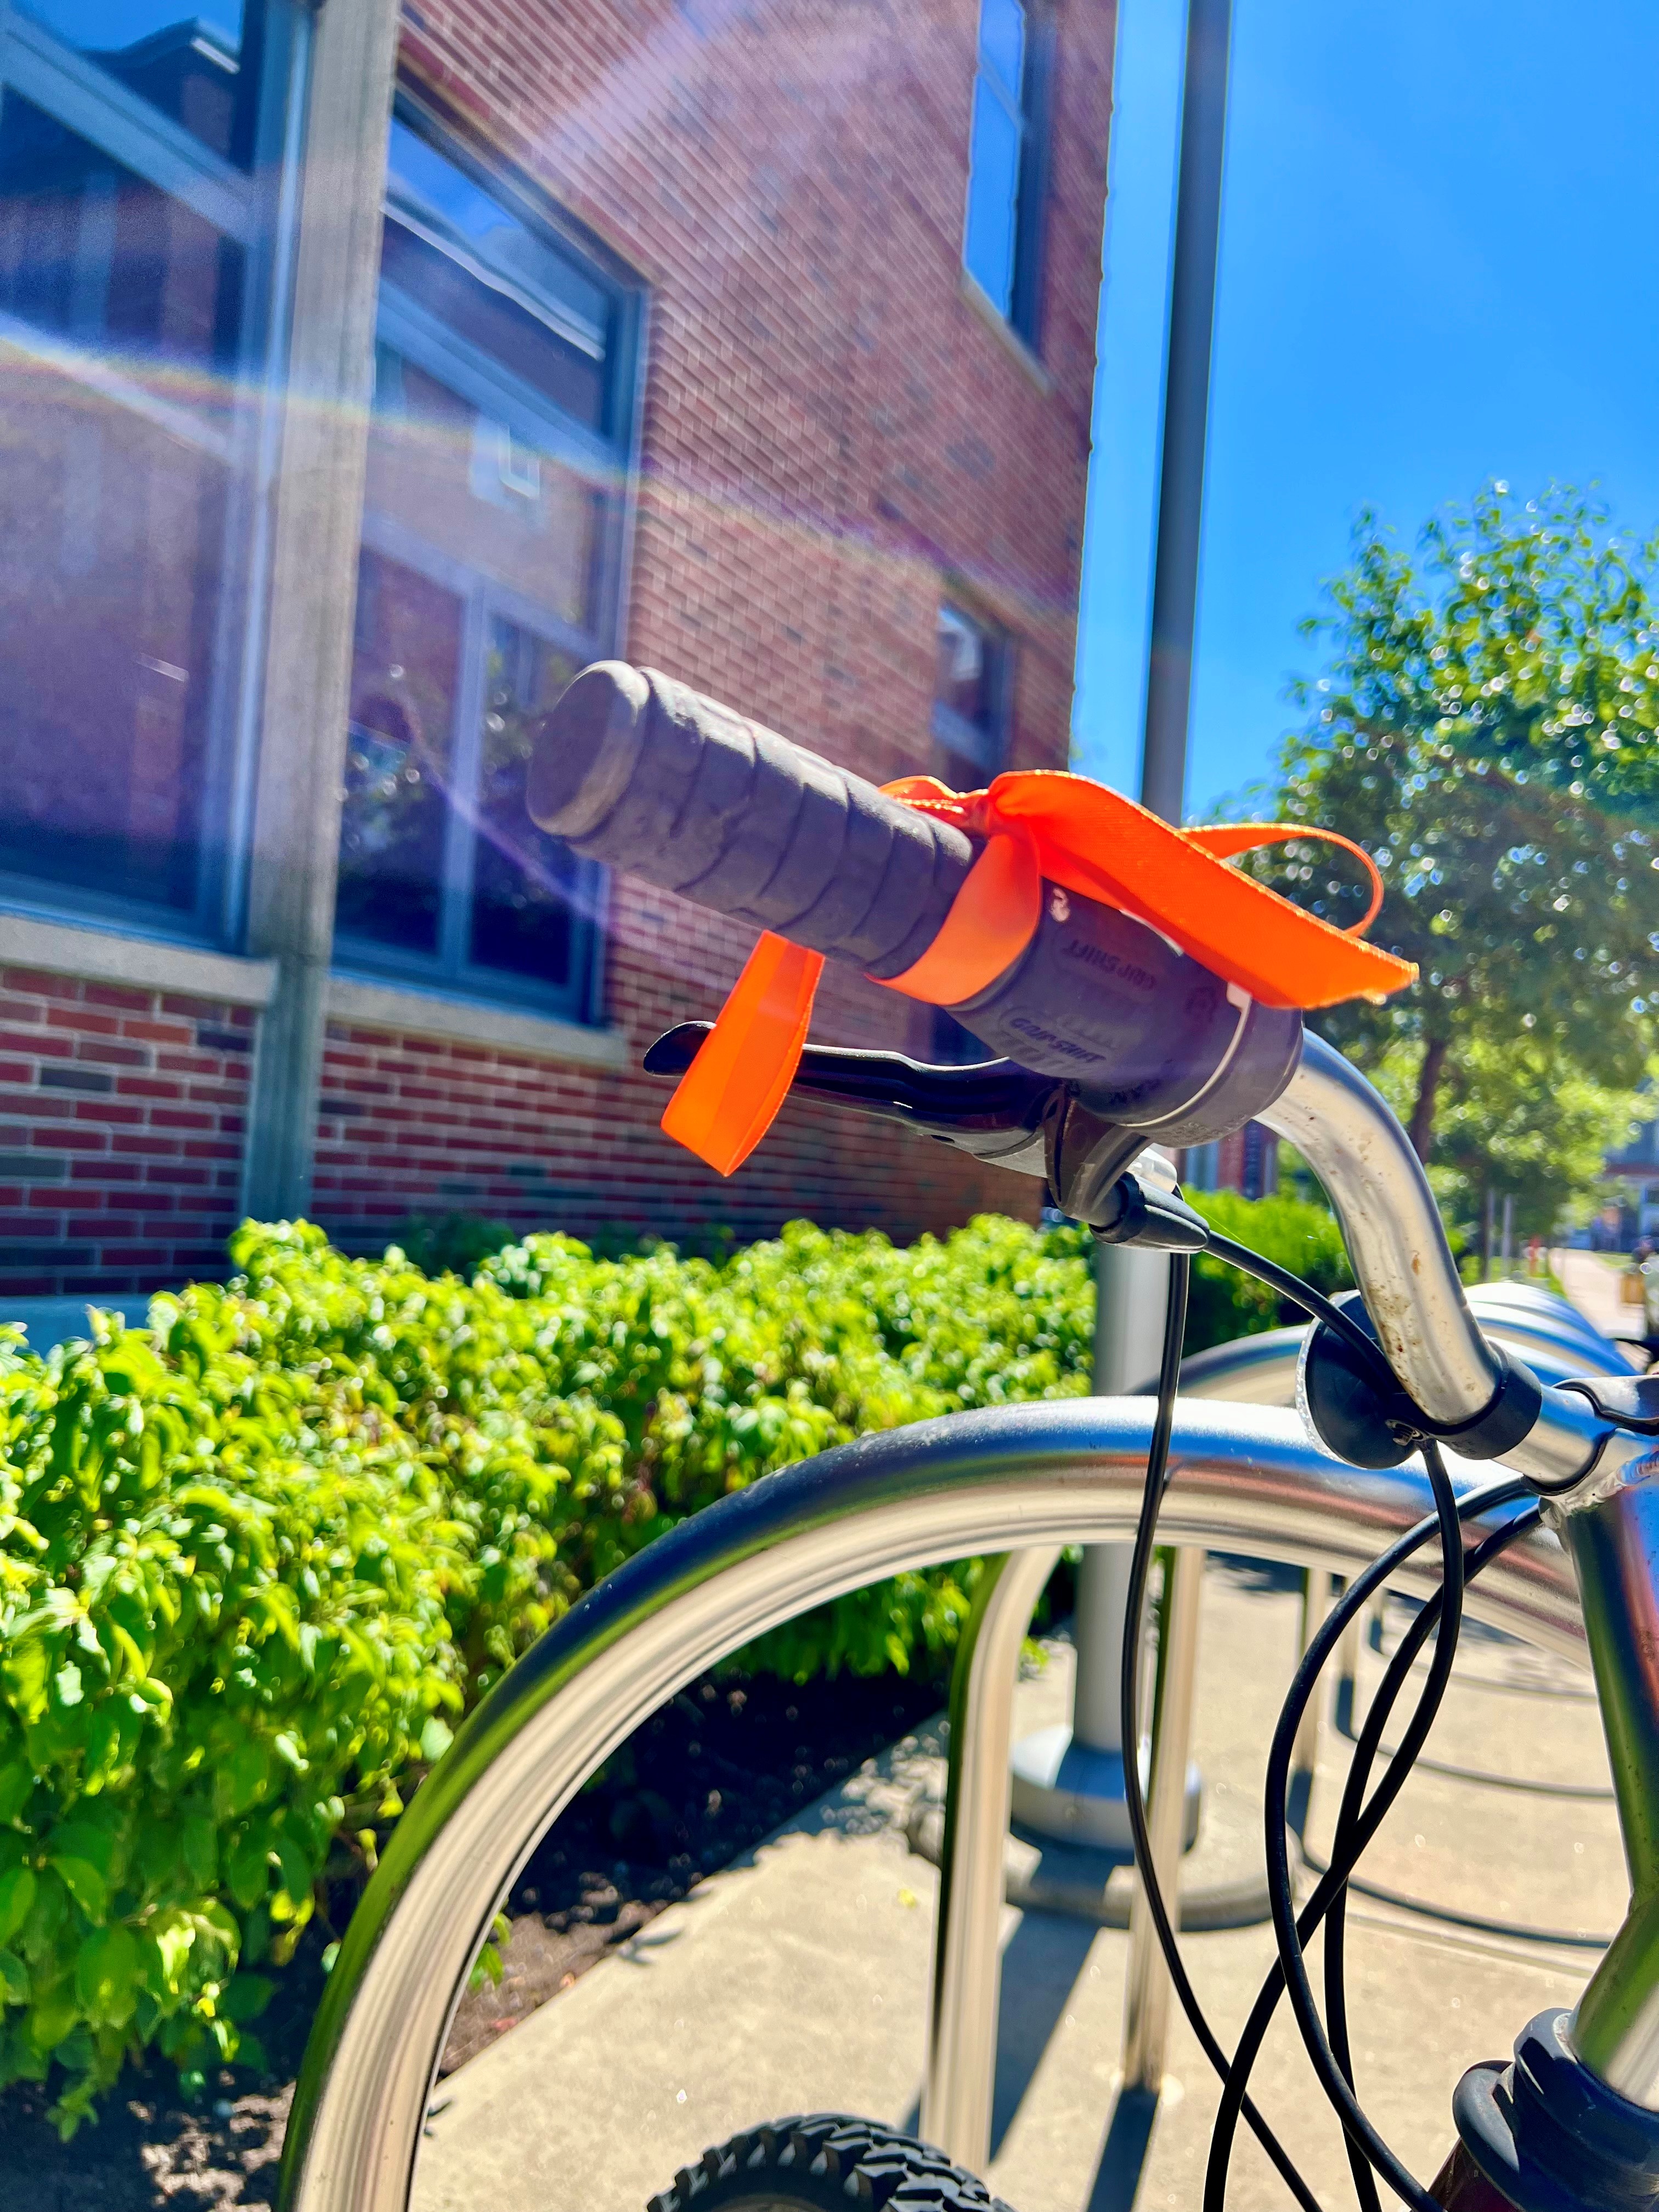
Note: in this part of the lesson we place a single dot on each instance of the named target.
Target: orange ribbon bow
(1037, 825)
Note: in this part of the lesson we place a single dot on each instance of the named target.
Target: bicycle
(1560, 1550)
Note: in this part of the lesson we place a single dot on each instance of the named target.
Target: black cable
(1157, 1461)
(1366, 1750)
(1357, 1595)
(1346, 1844)
(1357, 1822)
(1314, 1301)
(1281, 1894)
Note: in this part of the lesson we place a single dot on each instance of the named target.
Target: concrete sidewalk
(1592, 1286)
(799, 1981)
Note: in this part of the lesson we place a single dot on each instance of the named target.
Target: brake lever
(995, 1109)
(1005, 1116)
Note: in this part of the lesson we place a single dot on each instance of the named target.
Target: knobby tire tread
(825, 2162)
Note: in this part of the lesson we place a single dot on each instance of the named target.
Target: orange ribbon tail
(729, 1096)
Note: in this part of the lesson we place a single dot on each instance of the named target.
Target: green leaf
(198, 1845)
(14, 1978)
(247, 1867)
(165, 1950)
(246, 1998)
(296, 1868)
(16, 1783)
(106, 1969)
(82, 1852)
(51, 2016)
(84, 1883)
(16, 1896)
(244, 1776)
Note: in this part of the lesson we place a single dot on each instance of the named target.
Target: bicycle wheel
(823, 2162)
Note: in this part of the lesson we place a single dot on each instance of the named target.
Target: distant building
(1634, 1170)
(1247, 1162)
(752, 339)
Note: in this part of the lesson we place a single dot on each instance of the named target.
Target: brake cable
(1359, 1817)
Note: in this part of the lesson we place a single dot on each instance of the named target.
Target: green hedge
(257, 1559)
(1305, 1238)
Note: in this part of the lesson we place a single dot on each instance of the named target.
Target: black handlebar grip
(633, 768)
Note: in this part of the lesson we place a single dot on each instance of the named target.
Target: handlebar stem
(1401, 1260)
(1603, 1501)
(1610, 1529)
(1405, 1270)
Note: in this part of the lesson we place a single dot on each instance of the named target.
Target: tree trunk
(1428, 1084)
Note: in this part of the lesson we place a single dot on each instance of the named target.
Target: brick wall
(121, 1120)
(832, 437)
(417, 1126)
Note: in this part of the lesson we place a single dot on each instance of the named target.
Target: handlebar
(632, 768)
(1138, 1042)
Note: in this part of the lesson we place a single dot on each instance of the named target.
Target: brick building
(362, 375)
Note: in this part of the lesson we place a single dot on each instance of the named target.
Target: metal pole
(1186, 408)
(1068, 1782)
(1146, 1981)
(1131, 1290)
(962, 2040)
(317, 530)
(1163, 788)
(1130, 1309)
(1304, 1759)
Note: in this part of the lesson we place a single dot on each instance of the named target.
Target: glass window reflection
(527, 889)
(492, 490)
(114, 485)
(398, 757)
(198, 64)
(970, 737)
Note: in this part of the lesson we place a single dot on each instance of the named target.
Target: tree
(1486, 730)
(1514, 1121)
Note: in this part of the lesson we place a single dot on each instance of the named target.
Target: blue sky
(1439, 263)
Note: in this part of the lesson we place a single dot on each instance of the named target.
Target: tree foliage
(1515, 1122)
(1485, 729)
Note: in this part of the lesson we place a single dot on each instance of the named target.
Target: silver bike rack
(1016, 1482)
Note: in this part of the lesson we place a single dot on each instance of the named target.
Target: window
(1006, 161)
(1200, 1166)
(197, 61)
(137, 250)
(1259, 1171)
(488, 578)
(970, 724)
(971, 746)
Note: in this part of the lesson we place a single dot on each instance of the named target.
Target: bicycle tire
(823, 2162)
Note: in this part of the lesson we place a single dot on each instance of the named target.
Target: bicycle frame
(1021, 1481)
(1262, 1370)
(1025, 1479)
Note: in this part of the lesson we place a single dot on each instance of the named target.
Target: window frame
(256, 208)
(941, 1039)
(1032, 117)
(609, 465)
(483, 600)
(988, 748)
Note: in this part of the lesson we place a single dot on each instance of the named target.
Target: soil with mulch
(705, 1779)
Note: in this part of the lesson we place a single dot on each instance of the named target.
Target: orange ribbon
(1037, 825)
